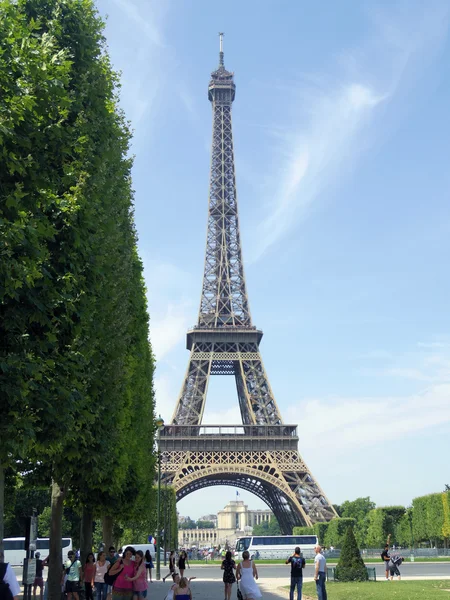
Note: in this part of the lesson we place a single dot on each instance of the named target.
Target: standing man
(320, 573)
(386, 557)
(39, 579)
(73, 570)
(297, 563)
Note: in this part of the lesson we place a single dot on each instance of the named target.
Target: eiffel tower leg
(191, 402)
(252, 380)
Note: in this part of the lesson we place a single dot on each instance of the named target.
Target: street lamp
(159, 425)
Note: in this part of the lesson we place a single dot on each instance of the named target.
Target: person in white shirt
(10, 578)
(320, 573)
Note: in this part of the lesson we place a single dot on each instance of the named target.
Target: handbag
(239, 594)
(110, 579)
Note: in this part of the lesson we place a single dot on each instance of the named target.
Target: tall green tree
(359, 510)
(69, 270)
(270, 527)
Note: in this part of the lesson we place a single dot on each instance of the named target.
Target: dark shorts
(140, 594)
(72, 586)
(394, 571)
(38, 582)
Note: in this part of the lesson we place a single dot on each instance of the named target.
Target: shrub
(351, 566)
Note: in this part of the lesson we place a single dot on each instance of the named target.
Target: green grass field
(330, 562)
(398, 590)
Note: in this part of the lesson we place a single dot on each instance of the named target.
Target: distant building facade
(234, 521)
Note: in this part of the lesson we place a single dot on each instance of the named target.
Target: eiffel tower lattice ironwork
(261, 454)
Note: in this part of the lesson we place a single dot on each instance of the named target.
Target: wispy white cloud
(170, 304)
(143, 18)
(330, 126)
(169, 329)
(344, 424)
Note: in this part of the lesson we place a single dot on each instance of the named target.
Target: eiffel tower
(260, 454)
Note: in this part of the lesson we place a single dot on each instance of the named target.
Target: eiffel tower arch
(260, 454)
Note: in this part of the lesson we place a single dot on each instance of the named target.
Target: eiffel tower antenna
(221, 64)
(260, 454)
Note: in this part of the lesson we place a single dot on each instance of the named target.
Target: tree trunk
(54, 571)
(85, 533)
(2, 509)
(107, 526)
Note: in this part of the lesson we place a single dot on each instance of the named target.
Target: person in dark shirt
(38, 579)
(297, 563)
(386, 557)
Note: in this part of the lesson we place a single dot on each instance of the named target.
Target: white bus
(15, 549)
(276, 546)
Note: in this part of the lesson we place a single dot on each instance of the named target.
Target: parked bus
(276, 546)
(15, 549)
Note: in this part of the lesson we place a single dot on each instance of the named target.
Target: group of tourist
(113, 577)
(125, 577)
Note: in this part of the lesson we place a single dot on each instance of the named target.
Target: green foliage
(271, 527)
(75, 358)
(336, 531)
(44, 522)
(320, 529)
(359, 510)
(403, 532)
(382, 522)
(350, 566)
(446, 513)
(303, 531)
(205, 524)
(187, 524)
(429, 517)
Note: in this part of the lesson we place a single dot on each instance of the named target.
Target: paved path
(208, 589)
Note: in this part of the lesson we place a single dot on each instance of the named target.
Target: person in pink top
(123, 587)
(139, 578)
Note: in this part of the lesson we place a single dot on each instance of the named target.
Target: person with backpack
(394, 562)
(297, 563)
(9, 586)
(73, 570)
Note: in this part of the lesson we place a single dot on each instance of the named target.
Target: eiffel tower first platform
(260, 455)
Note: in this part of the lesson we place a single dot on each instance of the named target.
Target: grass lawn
(380, 590)
(331, 561)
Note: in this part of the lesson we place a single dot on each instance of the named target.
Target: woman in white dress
(246, 573)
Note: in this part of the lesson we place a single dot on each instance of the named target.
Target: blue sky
(342, 145)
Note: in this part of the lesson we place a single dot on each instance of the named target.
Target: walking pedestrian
(73, 570)
(228, 566)
(101, 567)
(320, 573)
(246, 573)
(124, 567)
(297, 563)
(182, 560)
(88, 576)
(149, 564)
(171, 565)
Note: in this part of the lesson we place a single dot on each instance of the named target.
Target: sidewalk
(214, 590)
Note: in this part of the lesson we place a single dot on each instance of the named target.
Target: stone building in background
(235, 520)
